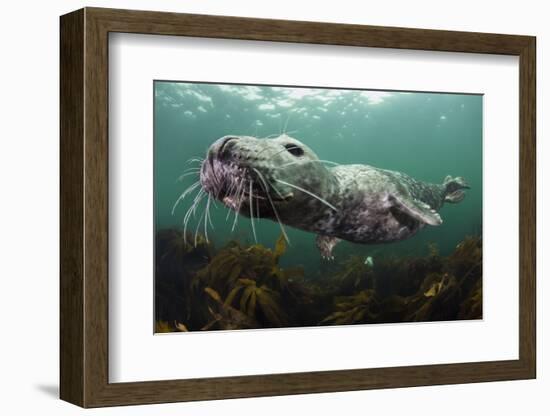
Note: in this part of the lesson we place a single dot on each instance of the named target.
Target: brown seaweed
(250, 280)
(362, 307)
(176, 263)
(242, 286)
(260, 302)
(163, 327)
(225, 316)
(446, 289)
(355, 274)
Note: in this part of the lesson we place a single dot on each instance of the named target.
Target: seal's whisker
(237, 189)
(232, 188)
(189, 189)
(197, 228)
(196, 204)
(286, 122)
(267, 148)
(200, 195)
(236, 197)
(252, 211)
(258, 207)
(285, 149)
(328, 162)
(180, 178)
(263, 183)
(278, 192)
(272, 156)
(229, 211)
(241, 196)
(253, 127)
(195, 160)
(188, 213)
(309, 193)
(232, 193)
(207, 218)
(191, 170)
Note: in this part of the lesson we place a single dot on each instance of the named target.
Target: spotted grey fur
(358, 203)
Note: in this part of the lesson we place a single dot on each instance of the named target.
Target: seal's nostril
(226, 140)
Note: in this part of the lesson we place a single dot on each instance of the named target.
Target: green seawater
(425, 135)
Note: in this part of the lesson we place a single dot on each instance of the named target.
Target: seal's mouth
(230, 182)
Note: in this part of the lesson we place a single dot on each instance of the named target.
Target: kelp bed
(241, 287)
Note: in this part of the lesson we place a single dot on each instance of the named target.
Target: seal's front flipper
(416, 210)
(325, 244)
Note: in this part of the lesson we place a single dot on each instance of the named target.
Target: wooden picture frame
(84, 207)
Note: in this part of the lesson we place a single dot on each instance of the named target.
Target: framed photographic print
(256, 207)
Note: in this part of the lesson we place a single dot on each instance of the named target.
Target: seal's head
(268, 174)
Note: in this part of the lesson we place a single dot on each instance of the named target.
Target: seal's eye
(294, 150)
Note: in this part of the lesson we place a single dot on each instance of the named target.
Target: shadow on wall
(51, 390)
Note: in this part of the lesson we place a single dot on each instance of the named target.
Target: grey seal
(282, 179)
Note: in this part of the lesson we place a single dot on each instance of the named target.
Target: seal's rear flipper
(416, 210)
(454, 189)
(325, 244)
(455, 197)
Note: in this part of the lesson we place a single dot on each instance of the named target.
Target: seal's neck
(316, 207)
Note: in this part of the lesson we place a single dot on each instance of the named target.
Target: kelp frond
(356, 273)
(258, 302)
(225, 316)
(162, 327)
(362, 307)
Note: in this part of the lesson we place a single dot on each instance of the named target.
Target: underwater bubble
(297, 93)
(266, 106)
(200, 96)
(375, 97)
(285, 103)
(253, 94)
(248, 92)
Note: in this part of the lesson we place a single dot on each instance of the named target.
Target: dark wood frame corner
(84, 209)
